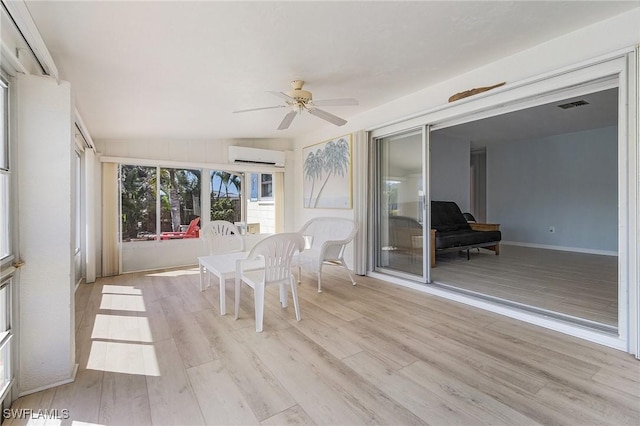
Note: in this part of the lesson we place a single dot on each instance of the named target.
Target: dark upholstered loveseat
(450, 230)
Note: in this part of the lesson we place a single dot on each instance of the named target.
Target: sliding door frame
(535, 91)
(426, 202)
(375, 219)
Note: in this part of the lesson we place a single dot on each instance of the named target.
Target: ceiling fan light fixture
(299, 100)
(298, 107)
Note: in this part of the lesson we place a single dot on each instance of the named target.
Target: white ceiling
(177, 70)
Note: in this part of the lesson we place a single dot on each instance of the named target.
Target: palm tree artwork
(327, 174)
(313, 167)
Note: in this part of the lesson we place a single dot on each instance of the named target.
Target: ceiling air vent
(573, 104)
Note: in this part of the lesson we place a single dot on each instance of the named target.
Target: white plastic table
(223, 266)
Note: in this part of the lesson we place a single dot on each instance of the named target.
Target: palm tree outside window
(226, 195)
(178, 191)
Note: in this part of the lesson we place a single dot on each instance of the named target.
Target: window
(5, 246)
(176, 195)
(266, 186)
(6, 297)
(138, 203)
(5, 335)
(226, 196)
(5, 240)
(261, 186)
(260, 207)
(179, 201)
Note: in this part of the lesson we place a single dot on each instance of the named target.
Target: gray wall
(450, 170)
(567, 181)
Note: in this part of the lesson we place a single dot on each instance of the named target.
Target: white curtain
(110, 254)
(278, 196)
(360, 198)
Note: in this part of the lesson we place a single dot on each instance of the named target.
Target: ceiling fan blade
(283, 96)
(258, 109)
(327, 116)
(335, 102)
(286, 121)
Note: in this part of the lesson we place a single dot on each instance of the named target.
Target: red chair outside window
(193, 231)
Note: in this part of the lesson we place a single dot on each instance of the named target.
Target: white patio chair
(277, 252)
(325, 239)
(220, 236)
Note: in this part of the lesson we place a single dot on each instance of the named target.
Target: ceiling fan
(299, 100)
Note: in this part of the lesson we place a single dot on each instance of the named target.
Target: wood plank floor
(577, 284)
(153, 349)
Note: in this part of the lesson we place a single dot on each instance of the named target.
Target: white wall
(569, 182)
(150, 255)
(45, 164)
(213, 151)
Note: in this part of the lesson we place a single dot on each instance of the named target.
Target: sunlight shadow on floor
(176, 273)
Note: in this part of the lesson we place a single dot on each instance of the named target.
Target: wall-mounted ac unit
(241, 154)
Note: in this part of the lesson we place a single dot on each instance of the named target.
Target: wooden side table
(485, 226)
(488, 227)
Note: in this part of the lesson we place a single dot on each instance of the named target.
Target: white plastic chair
(276, 252)
(326, 239)
(220, 236)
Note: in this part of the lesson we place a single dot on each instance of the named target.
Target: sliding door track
(570, 319)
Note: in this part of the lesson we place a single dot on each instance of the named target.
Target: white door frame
(590, 76)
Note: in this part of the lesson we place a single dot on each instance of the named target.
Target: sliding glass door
(552, 190)
(552, 166)
(400, 197)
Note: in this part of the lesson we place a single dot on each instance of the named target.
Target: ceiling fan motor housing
(299, 100)
(298, 94)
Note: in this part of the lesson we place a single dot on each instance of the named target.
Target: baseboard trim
(560, 248)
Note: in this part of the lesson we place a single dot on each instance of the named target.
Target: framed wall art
(327, 174)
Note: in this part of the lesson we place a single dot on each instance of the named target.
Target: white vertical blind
(360, 163)
(110, 240)
(90, 215)
(278, 196)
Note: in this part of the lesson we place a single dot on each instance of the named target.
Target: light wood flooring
(153, 349)
(576, 284)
